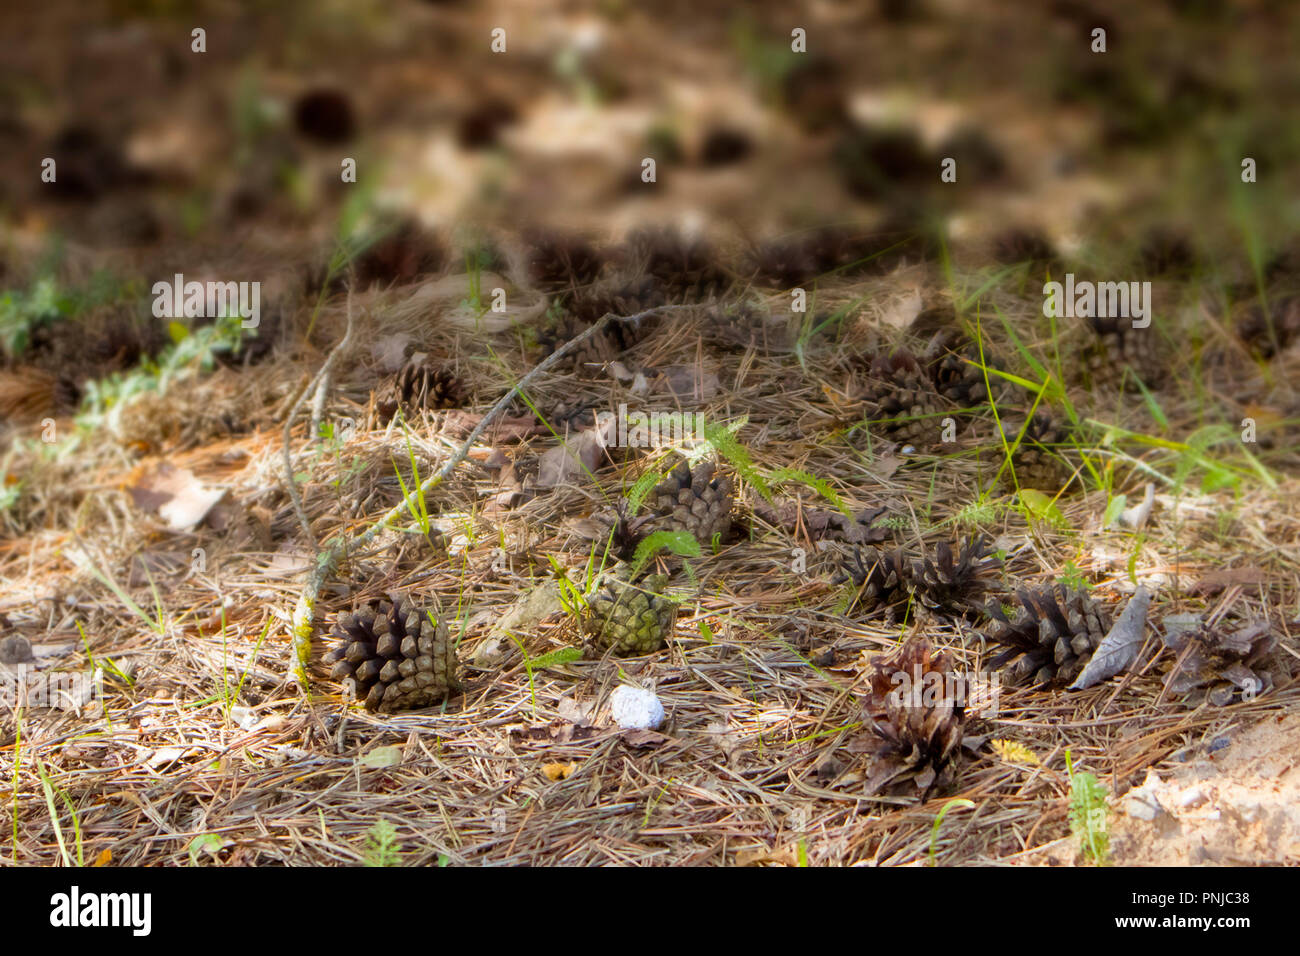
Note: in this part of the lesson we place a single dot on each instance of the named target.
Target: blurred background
(226, 163)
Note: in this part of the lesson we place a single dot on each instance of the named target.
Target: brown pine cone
(1039, 460)
(695, 501)
(952, 584)
(1051, 639)
(561, 261)
(419, 384)
(1116, 346)
(906, 407)
(918, 711)
(396, 656)
(1222, 667)
(1271, 332)
(881, 578)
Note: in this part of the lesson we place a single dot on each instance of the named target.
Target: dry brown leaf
(173, 493)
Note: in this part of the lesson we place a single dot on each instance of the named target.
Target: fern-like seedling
(1089, 815)
(381, 845)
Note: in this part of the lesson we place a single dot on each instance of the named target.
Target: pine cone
(624, 298)
(881, 577)
(419, 384)
(1049, 641)
(685, 269)
(698, 502)
(1020, 244)
(954, 367)
(562, 262)
(949, 584)
(918, 714)
(1117, 345)
(1229, 667)
(906, 407)
(1266, 338)
(631, 619)
(397, 657)
(1038, 458)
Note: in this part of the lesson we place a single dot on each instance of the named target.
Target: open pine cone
(695, 501)
(419, 384)
(1224, 667)
(1267, 333)
(397, 657)
(1051, 639)
(918, 716)
(881, 577)
(1038, 458)
(906, 406)
(631, 618)
(951, 583)
(1117, 345)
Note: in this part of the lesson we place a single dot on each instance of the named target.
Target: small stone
(15, 649)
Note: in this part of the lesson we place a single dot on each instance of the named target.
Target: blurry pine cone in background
(905, 405)
(419, 384)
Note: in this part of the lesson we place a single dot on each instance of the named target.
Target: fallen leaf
(174, 493)
(688, 381)
(578, 456)
(104, 858)
(389, 351)
(643, 738)
(1118, 648)
(389, 756)
(1223, 578)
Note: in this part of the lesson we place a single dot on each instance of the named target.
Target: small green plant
(381, 846)
(552, 659)
(1089, 815)
(51, 790)
(955, 803)
(680, 543)
(208, 843)
(420, 507)
(1072, 577)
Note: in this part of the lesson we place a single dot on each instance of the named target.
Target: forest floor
(149, 531)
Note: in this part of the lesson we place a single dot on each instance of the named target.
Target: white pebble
(635, 709)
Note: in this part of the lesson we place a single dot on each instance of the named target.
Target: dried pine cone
(1051, 639)
(623, 298)
(952, 584)
(629, 618)
(1116, 346)
(696, 501)
(419, 384)
(954, 367)
(918, 712)
(1267, 333)
(1038, 460)
(881, 577)
(397, 657)
(1224, 667)
(906, 407)
(685, 269)
(561, 262)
